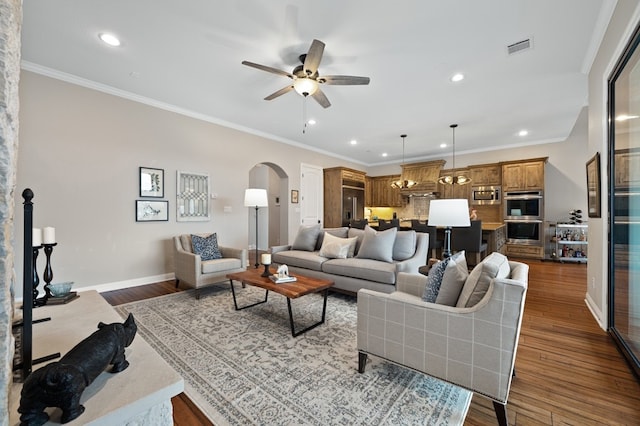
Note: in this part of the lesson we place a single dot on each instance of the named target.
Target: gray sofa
(372, 261)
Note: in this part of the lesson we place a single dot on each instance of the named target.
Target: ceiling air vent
(519, 46)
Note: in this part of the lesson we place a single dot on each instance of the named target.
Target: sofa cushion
(496, 265)
(300, 258)
(206, 247)
(336, 232)
(307, 238)
(220, 265)
(405, 245)
(434, 281)
(336, 247)
(359, 234)
(454, 278)
(366, 269)
(377, 245)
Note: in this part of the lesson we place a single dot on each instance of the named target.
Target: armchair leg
(362, 361)
(501, 413)
(177, 282)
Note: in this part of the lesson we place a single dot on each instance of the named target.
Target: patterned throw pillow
(206, 247)
(434, 281)
(336, 247)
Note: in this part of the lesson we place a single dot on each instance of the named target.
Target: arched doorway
(273, 221)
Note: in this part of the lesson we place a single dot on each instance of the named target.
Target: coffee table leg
(235, 303)
(325, 292)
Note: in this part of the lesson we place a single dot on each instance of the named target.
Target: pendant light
(403, 183)
(454, 179)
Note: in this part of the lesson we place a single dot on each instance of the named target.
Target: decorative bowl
(60, 289)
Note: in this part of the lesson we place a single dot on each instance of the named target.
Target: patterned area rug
(243, 367)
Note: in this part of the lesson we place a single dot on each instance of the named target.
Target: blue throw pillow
(434, 281)
(206, 247)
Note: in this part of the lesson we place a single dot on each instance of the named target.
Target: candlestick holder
(36, 279)
(48, 272)
(266, 272)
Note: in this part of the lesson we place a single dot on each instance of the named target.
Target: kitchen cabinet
(523, 176)
(486, 175)
(382, 194)
(455, 191)
(521, 250)
(337, 208)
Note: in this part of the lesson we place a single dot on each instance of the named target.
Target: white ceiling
(186, 56)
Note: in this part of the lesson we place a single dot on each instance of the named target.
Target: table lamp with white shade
(447, 214)
(256, 197)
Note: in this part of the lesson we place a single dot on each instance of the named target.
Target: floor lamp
(447, 214)
(255, 197)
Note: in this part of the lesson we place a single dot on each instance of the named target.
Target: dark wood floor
(569, 372)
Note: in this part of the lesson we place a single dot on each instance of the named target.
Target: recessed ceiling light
(384, 154)
(457, 77)
(110, 39)
(312, 122)
(353, 142)
(523, 132)
(443, 145)
(625, 117)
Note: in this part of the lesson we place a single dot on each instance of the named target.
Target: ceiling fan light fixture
(454, 179)
(305, 86)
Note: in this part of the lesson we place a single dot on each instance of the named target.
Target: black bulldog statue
(60, 384)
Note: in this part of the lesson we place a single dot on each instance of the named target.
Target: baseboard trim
(597, 314)
(119, 285)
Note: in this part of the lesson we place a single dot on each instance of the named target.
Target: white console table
(139, 395)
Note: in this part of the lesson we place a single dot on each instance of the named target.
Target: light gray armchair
(196, 273)
(471, 347)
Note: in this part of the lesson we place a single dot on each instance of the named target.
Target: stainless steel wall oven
(524, 216)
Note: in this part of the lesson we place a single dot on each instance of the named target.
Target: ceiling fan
(306, 78)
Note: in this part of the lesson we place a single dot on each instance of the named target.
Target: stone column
(10, 26)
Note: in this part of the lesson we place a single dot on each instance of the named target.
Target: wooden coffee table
(302, 286)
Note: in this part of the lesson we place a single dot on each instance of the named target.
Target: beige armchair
(471, 347)
(196, 273)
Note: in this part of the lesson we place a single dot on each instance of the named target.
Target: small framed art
(151, 182)
(192, 197)
(294, 196)
(152, 211)
(593, 186)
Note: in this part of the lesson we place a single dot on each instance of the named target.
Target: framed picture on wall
(192, 197)
(151, 182)
(152, 211)
(294, 196)
(593, 186)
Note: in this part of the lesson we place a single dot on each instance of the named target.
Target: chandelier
(454, 179)
(403, 183)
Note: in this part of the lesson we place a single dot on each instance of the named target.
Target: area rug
(244, 367)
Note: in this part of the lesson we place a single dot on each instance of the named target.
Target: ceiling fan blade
(279, 93)
(344, 80)
(321, 98)
(313, 58)
(267, 69)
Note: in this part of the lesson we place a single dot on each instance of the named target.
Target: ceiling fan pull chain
(304, 115)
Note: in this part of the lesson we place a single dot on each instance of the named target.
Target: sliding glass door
(624, 204)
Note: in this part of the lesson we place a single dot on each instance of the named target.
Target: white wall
(79, 152)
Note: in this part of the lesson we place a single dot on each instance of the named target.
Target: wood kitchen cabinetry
(486, 175)
(381, 194)
(334, 180)
(523, 175)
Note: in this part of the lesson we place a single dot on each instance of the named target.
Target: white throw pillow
(336, 247)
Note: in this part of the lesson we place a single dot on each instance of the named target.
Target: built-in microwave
(486, 195)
